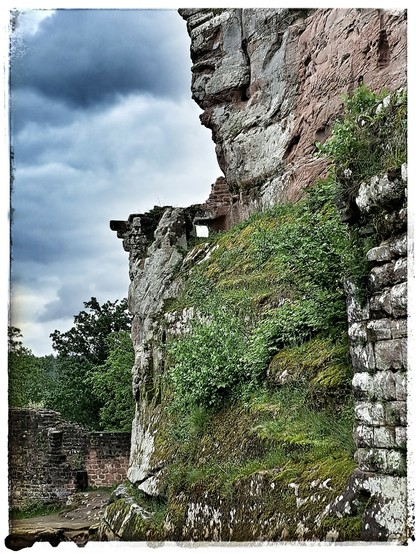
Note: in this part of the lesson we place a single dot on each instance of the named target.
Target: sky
(102, 125)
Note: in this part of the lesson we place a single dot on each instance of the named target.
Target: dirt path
(79, 524)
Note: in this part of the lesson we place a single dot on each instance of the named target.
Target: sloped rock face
(270, 84)
(157, 243)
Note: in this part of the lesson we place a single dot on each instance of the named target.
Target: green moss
(347, 528)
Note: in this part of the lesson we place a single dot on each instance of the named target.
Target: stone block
(384, 386)
(381, 277)
(396, 412)
(400, 270)
(398, 299)
(357, 332)
(373, 459)
(362, 384)
(369, 413)
(398, 328)
(380, 304)
(364, 435)
(362, 357)
(379, 329)
(401, 386)
(355, 310)
(399, 245)
(380, 253)
(396, 462)
(384, 437)
(401, 437)
(390, 354)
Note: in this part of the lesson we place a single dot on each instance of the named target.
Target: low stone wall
(50, 458)
(108, 458)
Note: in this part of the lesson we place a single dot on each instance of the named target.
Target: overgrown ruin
(270, 83)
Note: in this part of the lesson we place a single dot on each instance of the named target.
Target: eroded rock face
(157, 243)
(270, 84)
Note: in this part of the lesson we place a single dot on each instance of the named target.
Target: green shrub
(370, 139)
(207, 362)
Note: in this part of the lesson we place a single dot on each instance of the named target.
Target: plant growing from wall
(370, 139)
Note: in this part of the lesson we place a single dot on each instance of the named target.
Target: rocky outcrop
(157, 243)
(270, 83)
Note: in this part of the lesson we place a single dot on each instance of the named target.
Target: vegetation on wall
(261, 379)
(370, 139)
(273, 282)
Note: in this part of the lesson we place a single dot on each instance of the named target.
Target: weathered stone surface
(400, 270)
(379, 329)
(399, 328)
(362, 357)
(380, 304)
(157, 244)
(379, 193)
(396, 412)
(390, 354)
(381, 277)
(369, 413)
(401, 437)
(401, 386)
(356, 310)
(364, 436)
(357, 332)
(384, 437)
(380, 253)
(255, 72)
(384, 385)
(399, 300)
(399, 245)
(363, 385)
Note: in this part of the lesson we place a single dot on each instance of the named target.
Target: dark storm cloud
(30, 105)
(86, 57)
(102, 126)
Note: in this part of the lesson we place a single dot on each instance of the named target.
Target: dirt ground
(78, 524)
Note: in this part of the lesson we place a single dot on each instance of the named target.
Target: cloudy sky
(102, 126)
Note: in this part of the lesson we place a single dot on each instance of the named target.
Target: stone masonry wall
(378, 347)
(108, 458)
(50, 458)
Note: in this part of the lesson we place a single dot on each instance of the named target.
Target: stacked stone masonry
(378, 341)
(378, 347)
(50, 458)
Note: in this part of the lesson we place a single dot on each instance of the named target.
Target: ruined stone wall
(50, 458)
(108, 458)
(378, 347)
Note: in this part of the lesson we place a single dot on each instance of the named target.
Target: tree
(82, 352)
(111, 384)
(86, 340)
(27, 377)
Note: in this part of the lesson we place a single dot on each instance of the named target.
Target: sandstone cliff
(270, 83)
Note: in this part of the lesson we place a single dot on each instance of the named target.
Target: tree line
(88, 380)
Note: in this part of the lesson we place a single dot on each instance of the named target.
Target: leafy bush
(207, 361)
(370, 139)
(275, 280)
